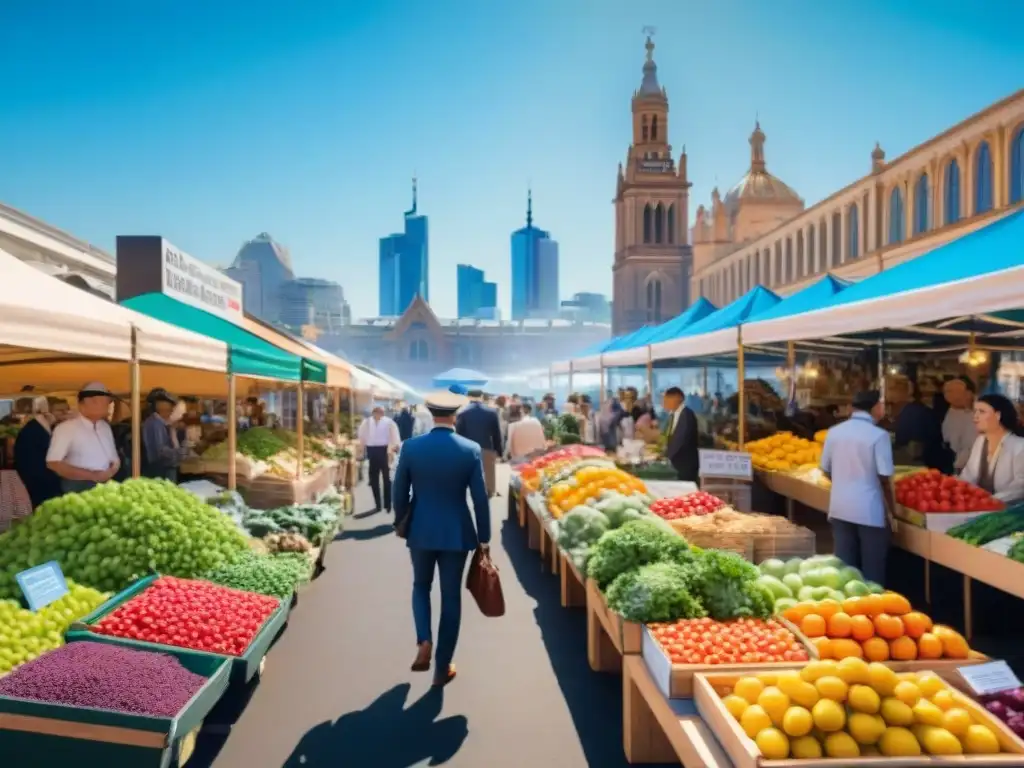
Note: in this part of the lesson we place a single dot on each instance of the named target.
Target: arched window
(811, 266)
(896, 216)
(777, 269)
(921, 205)
(951, 204)
(654, 128)
(654, 300)
(670, 225)
(648, 224)
(983, 179)
(852, 233)
(419, 351)
(789, 273)
(643, 128)
(659, 223)
(801, 268)
(836, 257)
(1017, 166)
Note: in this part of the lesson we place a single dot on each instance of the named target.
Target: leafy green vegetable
(581, 526)
(276, 575)
(634, 544)
(654, 592)
(727, 586)
(989, 527)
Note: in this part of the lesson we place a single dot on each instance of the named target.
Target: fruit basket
(47, 735)
(243, 668)
(850, 722)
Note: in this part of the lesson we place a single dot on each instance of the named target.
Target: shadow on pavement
(365, 534)
(386, 734)
(594, 700)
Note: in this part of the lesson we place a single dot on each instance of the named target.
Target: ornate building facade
(653, 260)
(956, 182)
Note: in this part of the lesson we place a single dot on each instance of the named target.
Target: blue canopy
(758, 299)
(697, 311)
(814, 296)
(467, 377)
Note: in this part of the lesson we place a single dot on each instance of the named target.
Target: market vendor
(958, 424)
(82, 451)
(30, 449)
(161, 451)
(857, 458)
(996, 461)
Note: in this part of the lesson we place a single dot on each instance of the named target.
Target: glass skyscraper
(476, 297)
(404, 269)
(534, 271)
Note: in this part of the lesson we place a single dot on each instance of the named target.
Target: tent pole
(570, 377)
(705, 381)
(232, 432)
(881, 369)
(650, 373)
(136, 406)
(600, 392)
(352, 413)
(337, 412)
(741, 394)
(300, 429)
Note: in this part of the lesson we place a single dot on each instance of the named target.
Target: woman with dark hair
(996, 462)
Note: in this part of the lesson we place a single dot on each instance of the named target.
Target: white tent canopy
(40, 312)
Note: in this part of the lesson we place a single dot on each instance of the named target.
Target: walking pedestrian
(480, 423)
(379, 437)
(434, 474)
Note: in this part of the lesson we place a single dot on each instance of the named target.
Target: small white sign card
(726, 464)
(991, 677)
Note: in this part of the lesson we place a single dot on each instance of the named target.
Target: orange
(873, 605)
(889, 627)
(929, 646)
(894, 603)
(813, 625)
(954, 645)
(824, 647)
(903, 649)
(843, 647)
(916, 624)
(827, 608)
(861, 628)
(796, 613)
(875, 649)
(854, 606)
(839, 625)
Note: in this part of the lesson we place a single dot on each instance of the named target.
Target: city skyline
(185, 142)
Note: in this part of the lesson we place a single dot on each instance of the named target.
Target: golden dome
(758, 184)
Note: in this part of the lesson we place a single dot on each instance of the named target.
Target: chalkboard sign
(42, 585)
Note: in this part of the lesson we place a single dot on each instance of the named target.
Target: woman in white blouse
(996, 462)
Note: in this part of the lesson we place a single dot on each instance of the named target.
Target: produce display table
(574, 590)
(534, 516)
(609, 637)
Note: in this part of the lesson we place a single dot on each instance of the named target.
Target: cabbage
(634, 544)
(727, 586)
(848, 573)
(773, 585)
(825, 576)
(793, 581)
(654, 592)
(773, 567)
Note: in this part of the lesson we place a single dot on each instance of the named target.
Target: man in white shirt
(379, 437)
(958, 428)
(525, 435)
(82, 451)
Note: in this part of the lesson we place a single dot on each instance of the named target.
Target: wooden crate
(609, 636)
(740, 543)
(796, 541)
(675, 681)
(574, 589)
(744, 753)
(736, 495)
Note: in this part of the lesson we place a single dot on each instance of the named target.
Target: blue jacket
(434, 472)
(405, 421)
(481, 425)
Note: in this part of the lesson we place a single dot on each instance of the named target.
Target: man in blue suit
(480, 423)
(434, 473)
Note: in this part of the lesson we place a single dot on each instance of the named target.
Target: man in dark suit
(481, 424)
(682, 449)
(434, 473)
(405, 422)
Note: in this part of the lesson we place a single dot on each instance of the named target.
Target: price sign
(726, 464)
(42, 585)
(993, 677)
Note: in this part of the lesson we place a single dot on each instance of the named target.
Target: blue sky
(211, 122)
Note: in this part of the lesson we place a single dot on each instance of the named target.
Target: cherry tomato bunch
(690, 505)
(931, 491)
(740, 641)
(191, 614)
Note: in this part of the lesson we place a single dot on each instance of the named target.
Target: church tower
(653, 260)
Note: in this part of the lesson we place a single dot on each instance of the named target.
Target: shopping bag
(484, 584)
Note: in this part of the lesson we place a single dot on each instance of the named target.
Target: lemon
(863, 698)
(898, 742)
(957, 721)
(767, 678)
(930, 684)
(926, 713)
(895, 712)
(841, 745)
(818, 668)
(736, 705)
(853, 670)
(937, 741)
(833, 688)
(979, 740)
(773, 744)
(799, 691)
(774, 702)
(797, 722)
(828, 715)
(754, 720)
(881, 678)
(865, 728)
(944, 700)
(907, 692)
(748, 688)
(805, 748)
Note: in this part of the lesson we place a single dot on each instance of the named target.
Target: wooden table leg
(543, 545)
(643, 737)
(790, 509)
(523, 511)
(928, 582)
(574, 594)
(532, 530)
(601, 652)
(968, 609)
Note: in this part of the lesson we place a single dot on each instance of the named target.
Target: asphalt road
(337, 691)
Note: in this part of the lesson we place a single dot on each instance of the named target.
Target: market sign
(150, 264)
(42, 585)
(726, 464)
